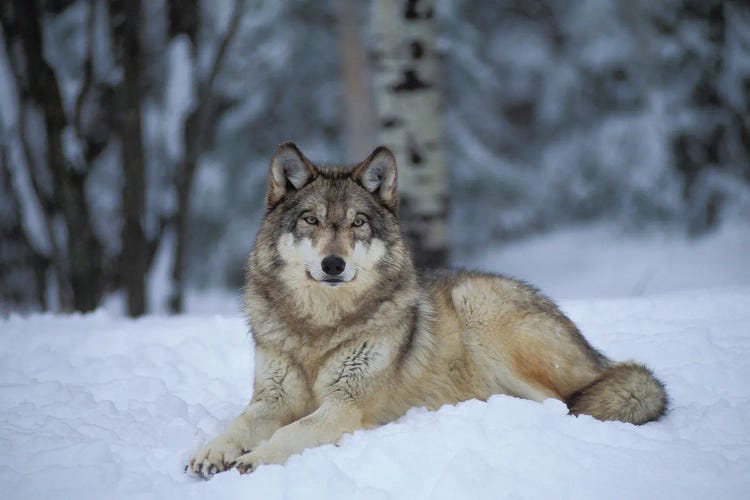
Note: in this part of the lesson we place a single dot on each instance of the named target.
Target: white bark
(407, 97)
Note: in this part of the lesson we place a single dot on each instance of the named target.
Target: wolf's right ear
(290, 170)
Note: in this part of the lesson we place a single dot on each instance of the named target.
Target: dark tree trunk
(184, 19)
(23, 254)
(125, 15)
(184, 188)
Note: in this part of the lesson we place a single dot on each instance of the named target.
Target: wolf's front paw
(247, 463)
(264, 454)
(218, 456)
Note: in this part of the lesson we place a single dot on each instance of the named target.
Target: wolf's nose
(333, 265)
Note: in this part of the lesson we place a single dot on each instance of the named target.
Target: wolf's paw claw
(214, 458)
(246, 468)
(246, 464)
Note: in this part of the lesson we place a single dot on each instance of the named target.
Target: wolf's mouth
(331, 282)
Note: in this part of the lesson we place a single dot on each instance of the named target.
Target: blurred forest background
(135, 135)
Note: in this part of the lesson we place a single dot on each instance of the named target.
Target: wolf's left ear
(290, 170)
(378, 174)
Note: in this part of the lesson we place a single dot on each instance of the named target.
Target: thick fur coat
(348, 336)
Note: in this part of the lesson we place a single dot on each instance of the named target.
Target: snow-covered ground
(98, 406)
(599, 261)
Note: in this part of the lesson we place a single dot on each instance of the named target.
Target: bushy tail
(628, 392)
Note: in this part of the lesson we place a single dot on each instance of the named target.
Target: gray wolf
(348, 336)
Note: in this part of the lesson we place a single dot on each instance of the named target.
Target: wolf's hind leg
(519, 341)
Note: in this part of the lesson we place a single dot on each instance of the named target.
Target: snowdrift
(97, 406)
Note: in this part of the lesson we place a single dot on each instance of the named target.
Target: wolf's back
(627, 392)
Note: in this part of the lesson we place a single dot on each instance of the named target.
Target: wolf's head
(331, 232)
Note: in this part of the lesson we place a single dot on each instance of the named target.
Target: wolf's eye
(311, 220)
(359, 221)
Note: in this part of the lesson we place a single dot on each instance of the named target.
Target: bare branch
(206, 90)
(234, 23)
(153, 243)
(195, 133)
(88, 69)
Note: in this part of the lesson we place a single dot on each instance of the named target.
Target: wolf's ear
(378, 174)
(290, 170)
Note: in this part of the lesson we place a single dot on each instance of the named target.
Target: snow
(96, 405)
(600, 261)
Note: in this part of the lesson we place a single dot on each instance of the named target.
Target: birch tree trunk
(407, 97)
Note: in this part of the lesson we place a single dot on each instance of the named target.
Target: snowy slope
(600, 261)
(98, 406)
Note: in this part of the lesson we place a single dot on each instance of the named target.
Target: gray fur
(333, 357)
